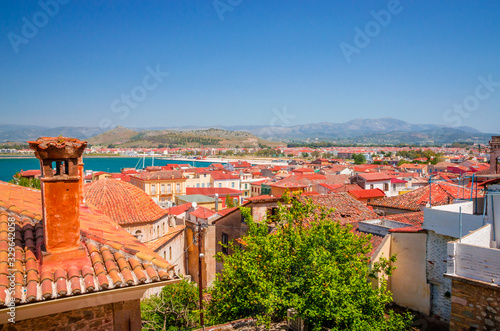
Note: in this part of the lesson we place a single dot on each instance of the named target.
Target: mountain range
(362, 131)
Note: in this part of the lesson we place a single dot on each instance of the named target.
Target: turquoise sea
(9, 166)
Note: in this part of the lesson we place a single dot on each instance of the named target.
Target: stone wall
(474, 305)
(124, 315)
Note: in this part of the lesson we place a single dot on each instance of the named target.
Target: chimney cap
(57, 147)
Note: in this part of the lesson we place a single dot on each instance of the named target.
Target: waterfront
(9, 166)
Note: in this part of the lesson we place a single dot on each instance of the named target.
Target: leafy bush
(174, 307)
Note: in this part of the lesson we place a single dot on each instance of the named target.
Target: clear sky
(239, 62)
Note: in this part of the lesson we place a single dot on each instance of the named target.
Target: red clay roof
(159, 242)
(443, 193)
(397, 180)
(124, 203)
(30, 173)
(202, 212)
(219, 175)
(346, 208)
(210, 191)
(177, 210)
(367, 194)
(166, 174)
(114, 257)
(374, 176)
(226, 211)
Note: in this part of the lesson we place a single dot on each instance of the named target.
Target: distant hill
(23, 133)
(116, 136)
(122, 137)
(362, 131)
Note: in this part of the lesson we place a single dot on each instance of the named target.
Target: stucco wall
(409, 280)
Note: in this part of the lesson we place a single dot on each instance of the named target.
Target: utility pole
(200, 278)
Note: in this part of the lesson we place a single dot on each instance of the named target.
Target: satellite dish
(194, 205)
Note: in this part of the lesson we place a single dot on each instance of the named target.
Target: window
(246, 186)
(202, 184)
(394, 187)
(371, 186)
(220, 184)
(178, 188)
(158, 230)
(232, 184)
(162, 188)
(246, 193)
(138, 235)
(153, 189)
(197, 184)
(386, 187)
(224, 241)
(163, 226)
(170, 253)
(169, 188)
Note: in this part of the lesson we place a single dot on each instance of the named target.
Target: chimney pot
(61, 195)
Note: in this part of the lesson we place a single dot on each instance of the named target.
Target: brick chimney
(61, 195)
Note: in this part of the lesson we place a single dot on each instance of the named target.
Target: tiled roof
(166, 174)
(366, 194)
(397, 181)
(219, 175)
(124, 203)
(226, 211)
(114, 258)
(159, 242)
(202, 212)
(177, 210)
(347, 209)
(261, 198)
(30, 173)
(375, 240)
(210, 191)
(374, 176)
(414, 219)
(442, 194)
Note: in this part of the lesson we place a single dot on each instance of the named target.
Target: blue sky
(238, 62)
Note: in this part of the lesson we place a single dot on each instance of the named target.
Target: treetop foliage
(307, 262)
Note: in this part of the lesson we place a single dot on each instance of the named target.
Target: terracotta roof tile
(443, 193)
(124, 203)
(159, 242)
(346, 208)
(100, 235)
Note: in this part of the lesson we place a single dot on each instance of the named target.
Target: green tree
(26, 182)
(229, 201)
(309, 263)
(174, 307)
(359, 158)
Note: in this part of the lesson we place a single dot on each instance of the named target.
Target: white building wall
(479, 263)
